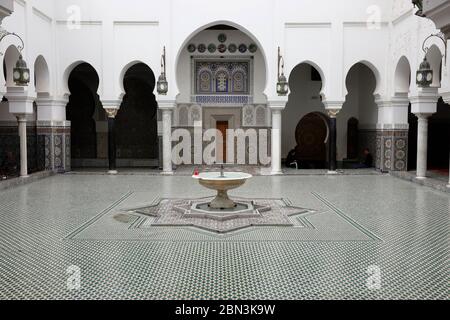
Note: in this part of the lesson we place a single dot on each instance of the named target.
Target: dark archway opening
(86, 114)
(352, 139)
(136, 121)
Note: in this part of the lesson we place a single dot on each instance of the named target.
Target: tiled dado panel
(393, 147)
(56, 146)
(390, 146)
(10, 142)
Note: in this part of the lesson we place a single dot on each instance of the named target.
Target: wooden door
(221, 149)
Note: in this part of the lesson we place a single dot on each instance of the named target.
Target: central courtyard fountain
(222, 182)
(217, 213)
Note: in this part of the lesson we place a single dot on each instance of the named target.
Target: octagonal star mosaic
(186, 212)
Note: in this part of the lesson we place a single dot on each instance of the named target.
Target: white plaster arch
(42, 75)
(10, 58)
(319, 69)
(68, 70)
(434, 57)
(183, 116)
(124, 71)
(195, 114)
(402, 76)
(231, 24)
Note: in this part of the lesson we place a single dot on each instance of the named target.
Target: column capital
(167, 105)
(425, 95)
(111, 107)
(425, 101)
(21, 117)
(333, 107)
(19, 94)
(423, 116)
(111, 112)
(20, 101)
(278, 103)
(332, 113)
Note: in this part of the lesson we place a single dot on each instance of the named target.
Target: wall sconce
(282, 84)
(424, 76)
(21, 73)
(162, 85)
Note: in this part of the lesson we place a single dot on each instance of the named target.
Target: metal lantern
(424, 77)
(21, 74)
(162, 86)
(282, 84)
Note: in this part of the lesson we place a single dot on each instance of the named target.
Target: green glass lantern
(424, 77)
(21, 74)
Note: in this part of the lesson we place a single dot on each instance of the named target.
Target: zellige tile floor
(361, 221)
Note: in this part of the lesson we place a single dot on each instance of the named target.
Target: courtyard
(354, 227)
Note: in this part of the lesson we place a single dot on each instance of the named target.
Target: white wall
(333, 35)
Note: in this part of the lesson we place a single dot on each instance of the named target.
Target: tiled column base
(390, 146)
(56, 137)
(392, 149)
(9, 142)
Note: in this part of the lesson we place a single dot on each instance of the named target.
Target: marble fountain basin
(222, 183)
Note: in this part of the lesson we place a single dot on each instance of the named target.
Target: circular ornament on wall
(388, 143)
(222, 48)
(222, 37)
(212, 48)
(191, 48)
(232, 48)
(253, 48)
(243, 48)
(201, 48)
(400, 165)
(400, 144)
(400, 154)
(387, 164)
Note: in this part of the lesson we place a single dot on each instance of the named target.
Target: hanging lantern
(162, 86)
(424, 77)
(282, 84)
(21, 74)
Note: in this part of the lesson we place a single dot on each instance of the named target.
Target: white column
(167, 141)
(22, 120)
(276, 142)
(21, 104)
(167, 108)
(422, 145)
(423, 105)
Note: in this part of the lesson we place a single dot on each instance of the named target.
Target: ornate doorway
(222, 127)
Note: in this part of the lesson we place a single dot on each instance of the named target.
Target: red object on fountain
(196, 173)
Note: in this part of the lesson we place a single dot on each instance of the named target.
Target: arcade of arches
(221, 86)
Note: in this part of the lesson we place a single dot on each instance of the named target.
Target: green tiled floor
(362, 221)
